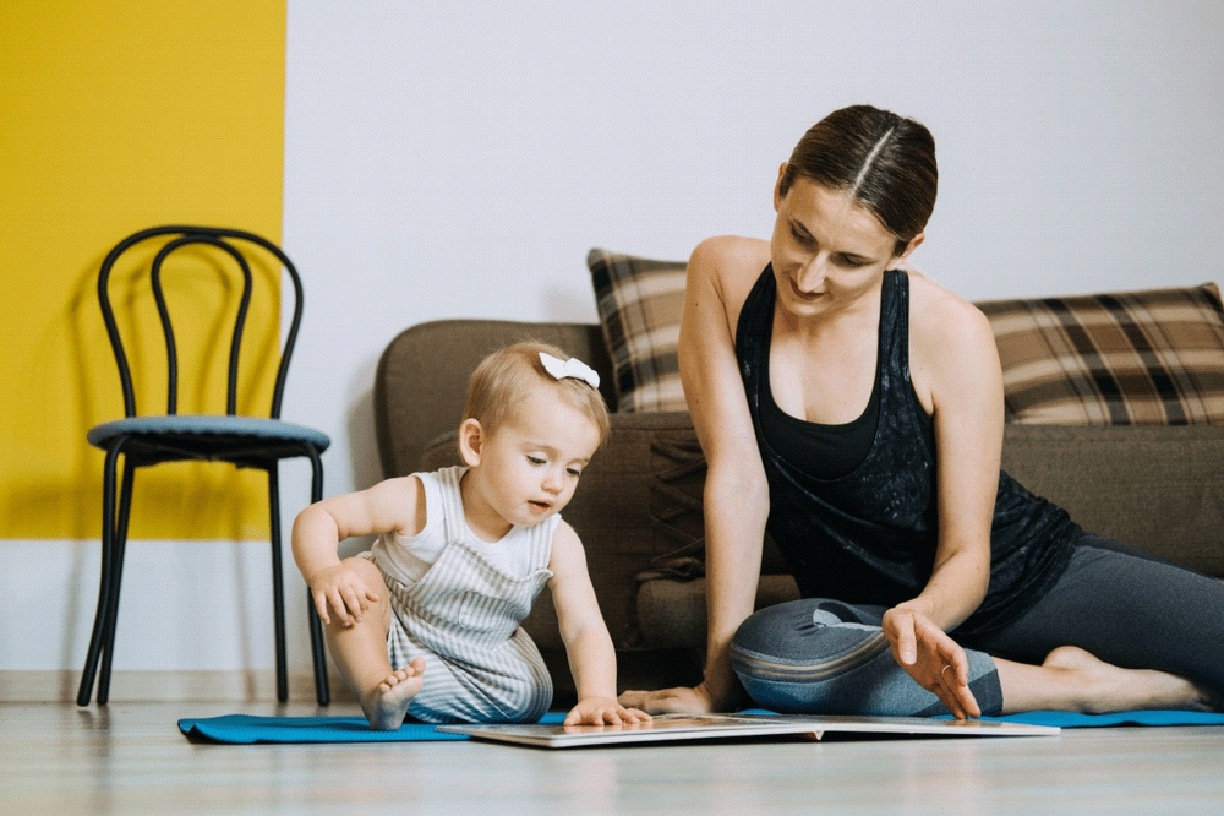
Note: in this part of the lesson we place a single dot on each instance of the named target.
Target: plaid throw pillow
(639, 302)
(1152, 357)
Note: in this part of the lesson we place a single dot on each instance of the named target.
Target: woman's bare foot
(386, 704)
(1105, 687)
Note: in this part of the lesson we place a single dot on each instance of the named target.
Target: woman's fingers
(680, 700)
(953, 682)
(964, 703)
(907, 641)
(946, 691)
(899, 628)
(936, 661)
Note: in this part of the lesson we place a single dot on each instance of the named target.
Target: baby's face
(533, 461)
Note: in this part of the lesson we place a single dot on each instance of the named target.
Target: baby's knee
(522, 695)
(366, 568)
(531, 703)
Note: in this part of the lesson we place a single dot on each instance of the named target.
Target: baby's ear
(471, 439)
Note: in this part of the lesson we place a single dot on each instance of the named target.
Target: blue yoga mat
(243, 729)
(1063, 719)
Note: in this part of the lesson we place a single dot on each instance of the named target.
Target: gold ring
(944, 669)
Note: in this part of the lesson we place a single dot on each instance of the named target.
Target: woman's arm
(956, 373)
(736, 493)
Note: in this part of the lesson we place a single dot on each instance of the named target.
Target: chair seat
(208, 436)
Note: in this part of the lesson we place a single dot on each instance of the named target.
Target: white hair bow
(573, 367)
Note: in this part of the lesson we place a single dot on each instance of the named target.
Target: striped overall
(463, 617)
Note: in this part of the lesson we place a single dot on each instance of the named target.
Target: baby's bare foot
(386, 704)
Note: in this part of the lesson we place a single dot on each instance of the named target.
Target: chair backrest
(174, 238)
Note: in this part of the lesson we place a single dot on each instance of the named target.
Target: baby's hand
(605, 711)
(341, 590)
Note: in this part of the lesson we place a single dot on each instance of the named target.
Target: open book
(671, 727)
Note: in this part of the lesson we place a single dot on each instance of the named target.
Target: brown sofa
(638, 506)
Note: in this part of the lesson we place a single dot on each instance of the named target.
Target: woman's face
(827, 251)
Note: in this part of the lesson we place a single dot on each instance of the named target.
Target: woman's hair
(504, 380)
(886, 162)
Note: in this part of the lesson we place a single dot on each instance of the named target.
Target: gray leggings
(828, 657)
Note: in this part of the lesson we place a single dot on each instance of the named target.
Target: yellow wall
(116, 115)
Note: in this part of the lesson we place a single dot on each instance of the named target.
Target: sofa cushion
(1153, 357)
(1156, 488)
(639, 303)
(673, 613)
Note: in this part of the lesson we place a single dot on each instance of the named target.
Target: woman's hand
(934, 660)
(680, 700)
(341, 590)
(605, 711)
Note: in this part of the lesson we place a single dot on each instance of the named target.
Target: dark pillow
(639, 302)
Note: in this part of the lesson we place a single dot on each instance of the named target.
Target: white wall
(444, 164)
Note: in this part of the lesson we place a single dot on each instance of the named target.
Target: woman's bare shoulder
(949, 337)
(730, 264)
(732, 252)
(937, 311)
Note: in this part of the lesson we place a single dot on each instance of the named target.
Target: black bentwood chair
(244, 441)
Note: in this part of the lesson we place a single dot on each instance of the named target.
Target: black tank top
(868, 533)
(825, 451)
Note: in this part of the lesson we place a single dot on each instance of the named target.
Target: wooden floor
(130, 759)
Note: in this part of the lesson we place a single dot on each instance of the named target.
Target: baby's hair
(504, 379)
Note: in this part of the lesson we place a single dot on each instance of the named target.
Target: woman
(856, 411)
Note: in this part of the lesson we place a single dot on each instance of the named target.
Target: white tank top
(407, 558)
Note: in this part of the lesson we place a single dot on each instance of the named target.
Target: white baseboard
(251, 686)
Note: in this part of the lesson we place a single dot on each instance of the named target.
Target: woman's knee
(829, 657)
(804, 643)
(808, 629)
(810, 655)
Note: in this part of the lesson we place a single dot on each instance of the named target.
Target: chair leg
(318, 651)
(318, 648)
(119, 552)
(278, 586)
(85, 691)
